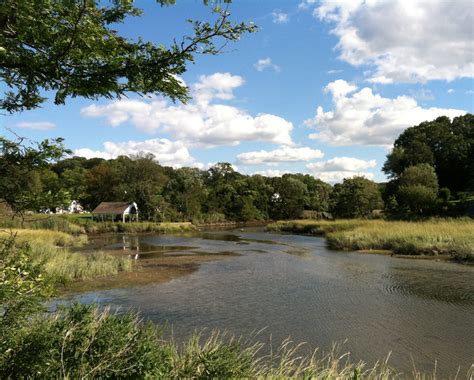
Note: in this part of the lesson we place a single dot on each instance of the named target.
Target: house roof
(111, 208)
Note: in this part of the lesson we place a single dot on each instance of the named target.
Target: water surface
(421, 311)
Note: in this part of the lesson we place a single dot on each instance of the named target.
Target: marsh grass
(60, 223)
(51, 248)
(81, 224)
(36, 237)
(85, 342)
(454, 237)
(140, 227)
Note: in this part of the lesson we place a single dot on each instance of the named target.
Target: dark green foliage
(81, 342)
(445, 145)
(288, 201)
(71, 48)
(355, 198)
(26, 183)
(417, 189)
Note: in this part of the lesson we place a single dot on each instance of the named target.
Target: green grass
(140, 227)
(77, 224)
(454, 237)
(62, 265)
(85, 342)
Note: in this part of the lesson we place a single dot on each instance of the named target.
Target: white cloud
(283, 154)
(335, 177)
(280, 17)
(36, 125)
(165, 151)
(334, 71)
(200, 122)
(339, 88)
(216, 86)
(450, 91)
(341, 164)
(403, 41)
(266, 63)
(338, 168)
(365, 118)
(271, 172)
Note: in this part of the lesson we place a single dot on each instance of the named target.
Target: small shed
(116, 211)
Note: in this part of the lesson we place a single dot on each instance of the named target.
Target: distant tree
(186, 192)
(355, 197)
(417, 189)
(70, 48)
(138, 178)
(21, 164)
(422, 174)
(446, 145)
(288, 201)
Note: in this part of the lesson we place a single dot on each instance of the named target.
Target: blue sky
(324, 87)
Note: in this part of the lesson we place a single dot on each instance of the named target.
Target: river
(419, 311)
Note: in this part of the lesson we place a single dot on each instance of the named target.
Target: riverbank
(84, 342)
(53, 249)
(433, 238)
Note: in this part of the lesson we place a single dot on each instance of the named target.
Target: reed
(51, 248)
(454, 237)
(85, 342)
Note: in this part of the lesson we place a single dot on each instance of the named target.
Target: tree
(186, 192)
(289, 198)
(355, 197)
(417, 189)
(71, 49)
(446, 145)
(21, 162)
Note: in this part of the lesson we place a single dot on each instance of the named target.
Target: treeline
(431, 171)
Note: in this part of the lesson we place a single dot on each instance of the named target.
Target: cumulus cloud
(283, 154)
(364, 118)
(338, 168)
(36, 125)
(279, 17)
(271, 172)
(165, 151)
(399, 40)
(201, 122)
(266, 63)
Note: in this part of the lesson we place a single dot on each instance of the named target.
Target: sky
(324, 88)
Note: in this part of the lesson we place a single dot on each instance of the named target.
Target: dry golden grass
(437, 236)
(51, 249)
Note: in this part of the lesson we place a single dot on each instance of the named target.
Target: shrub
(83, 342)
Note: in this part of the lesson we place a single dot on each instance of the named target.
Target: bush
(83, 342)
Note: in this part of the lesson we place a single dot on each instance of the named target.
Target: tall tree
(70, 47)
(417, 189)
(446, 145)
(20, 165)
(355, 197)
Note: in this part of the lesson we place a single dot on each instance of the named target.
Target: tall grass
(453, 237)
(45, 237)
(84, 342)
(81, 224)
(43, 222)
(134, 227)
(51, 249)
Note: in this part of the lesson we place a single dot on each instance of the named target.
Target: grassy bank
(83, 342)
(453, 237)
(52, 248)
(81, 224)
